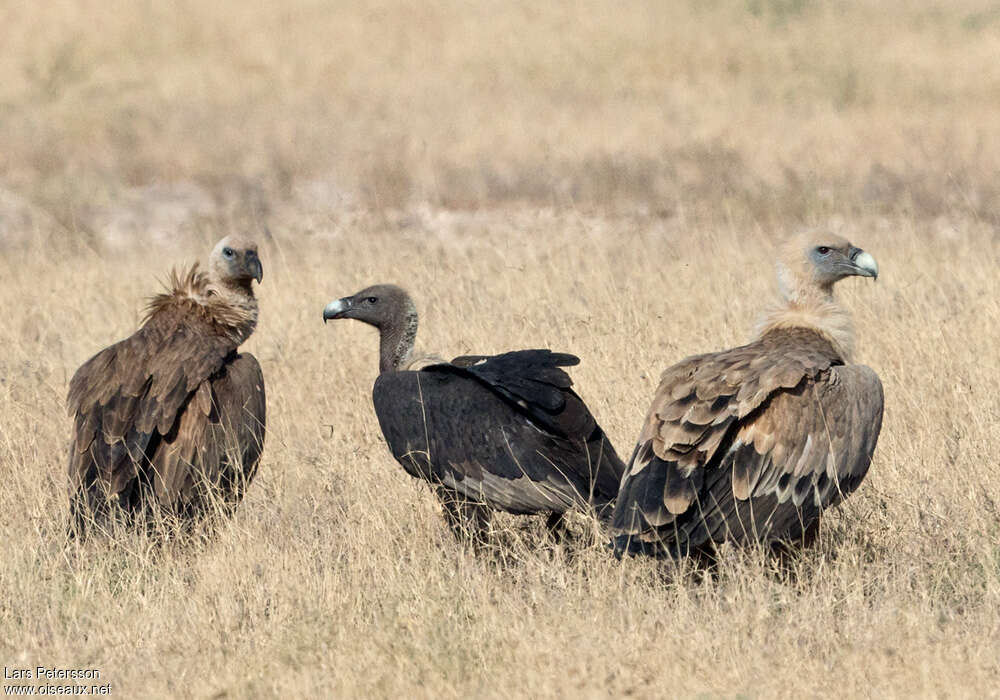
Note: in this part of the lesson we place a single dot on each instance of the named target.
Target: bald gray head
(810, 264)
(234, 262)
(817, 259)
(382, 306)
(388, 308)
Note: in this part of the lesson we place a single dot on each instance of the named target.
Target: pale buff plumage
(807, 302)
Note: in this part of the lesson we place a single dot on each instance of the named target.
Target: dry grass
(602, 178)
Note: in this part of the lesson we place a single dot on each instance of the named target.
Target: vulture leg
(811, 533)
(469, 520)
(556, 526)
(787, 550)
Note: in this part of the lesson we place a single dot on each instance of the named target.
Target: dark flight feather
(507, 431)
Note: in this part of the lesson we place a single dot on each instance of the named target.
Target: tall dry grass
(602, 178)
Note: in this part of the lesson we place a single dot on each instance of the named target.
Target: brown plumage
(749, 445)
(171, 419)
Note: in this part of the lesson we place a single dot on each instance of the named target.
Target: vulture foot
(469, 520)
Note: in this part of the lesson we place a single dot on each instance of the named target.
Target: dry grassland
(604, 178)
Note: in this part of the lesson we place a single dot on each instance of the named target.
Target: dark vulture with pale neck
(750, 445)
(504, 432)
(171, 419)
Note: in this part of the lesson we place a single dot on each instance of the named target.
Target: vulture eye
(227, 251)
(823, 250)
(372, 300)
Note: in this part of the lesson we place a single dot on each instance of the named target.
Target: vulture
(504, 432)
(170, 420)
(750, 445)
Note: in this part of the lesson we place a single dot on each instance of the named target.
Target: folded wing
(750, 444)
(155, 414)
(506, 430)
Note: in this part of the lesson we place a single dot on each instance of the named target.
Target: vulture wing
(241, 414)
(534, 383)
(218, 440)
(804, 452)
(132, 395)
(750, 443)
(507, 431)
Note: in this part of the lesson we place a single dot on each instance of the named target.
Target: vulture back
(505, 430)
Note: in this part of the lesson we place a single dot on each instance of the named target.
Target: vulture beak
(336, 309)
(864, 263)
(254, 267)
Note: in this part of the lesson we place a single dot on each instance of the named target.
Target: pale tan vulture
(170, 421)
(750, 445)
(503, 432)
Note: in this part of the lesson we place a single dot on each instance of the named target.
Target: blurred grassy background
(596, 177)
(120, 115)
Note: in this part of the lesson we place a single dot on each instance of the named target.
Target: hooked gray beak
(336, 309)
(254, 267)
(864, 264)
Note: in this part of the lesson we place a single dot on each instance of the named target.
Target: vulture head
(382, 306)
(810, 264)
(815, 260)
(390, 309)
(234, 261)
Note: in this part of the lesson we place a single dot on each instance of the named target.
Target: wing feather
(490, 433)
(129, 406)
(775, 432)
(237, 425)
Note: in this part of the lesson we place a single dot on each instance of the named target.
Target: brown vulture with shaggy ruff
(750, 445)
(504, 432)
(171, 419)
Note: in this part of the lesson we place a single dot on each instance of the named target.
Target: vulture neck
(396, 343)
(234, 306)
(811, 306)
(229, 306)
